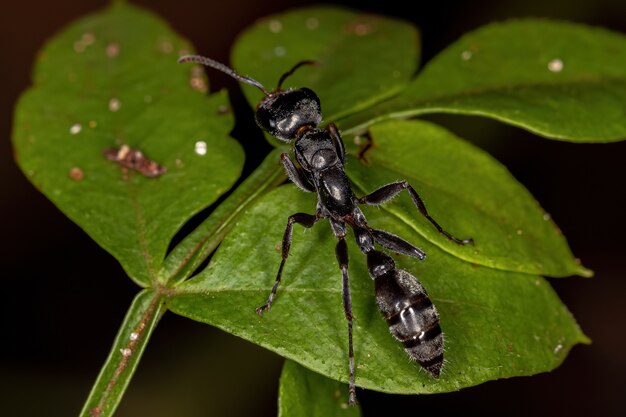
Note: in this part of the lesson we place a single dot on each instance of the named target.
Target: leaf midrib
(584, 79)
(423, 105)
(140, 227)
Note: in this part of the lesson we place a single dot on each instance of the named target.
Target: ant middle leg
(389, 191)
(306, 220)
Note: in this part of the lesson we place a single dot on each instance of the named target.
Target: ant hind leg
(389, 191)
(341, 251)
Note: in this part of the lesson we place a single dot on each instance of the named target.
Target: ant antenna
(291, 71)
(221, 67)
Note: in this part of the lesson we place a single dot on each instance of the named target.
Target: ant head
(282, 112)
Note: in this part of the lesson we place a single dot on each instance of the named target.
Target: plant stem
(139, 323)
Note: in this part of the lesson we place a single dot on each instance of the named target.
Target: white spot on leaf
(114, 104)
(200, 147)
(76, 128)
(556, 65)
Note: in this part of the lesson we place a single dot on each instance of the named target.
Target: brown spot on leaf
(113, 49)
(129, 158)
(222, 110)
(197, 80)
(77, 174)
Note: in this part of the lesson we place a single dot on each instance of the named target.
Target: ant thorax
(315, 150)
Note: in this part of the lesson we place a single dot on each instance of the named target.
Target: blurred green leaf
(363, 58)
(303, 393)
(111, 79)
(469, 194)
(498, 324)
(559, 80)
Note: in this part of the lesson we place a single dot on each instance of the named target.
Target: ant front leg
(341, 251)
(296, 175)
(306, 220)
(389, 191)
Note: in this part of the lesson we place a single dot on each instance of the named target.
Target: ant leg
(291, 71)
(364, 147)
(341, 251)
(389, 191)
(336, 137)
(296, 175)
(397, 244)
(306, 220)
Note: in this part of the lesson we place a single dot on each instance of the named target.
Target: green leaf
(559, 80)
(498, 324)
(187, 256)
(303, 393)
(132, 338)
(469, 194)
(109, 79)
(363, 58)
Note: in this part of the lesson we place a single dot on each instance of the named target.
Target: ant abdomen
(411, 316)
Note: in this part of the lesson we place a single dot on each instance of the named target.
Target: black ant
(294, 115)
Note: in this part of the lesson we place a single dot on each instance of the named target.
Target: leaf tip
(584, 272)
(585, 340)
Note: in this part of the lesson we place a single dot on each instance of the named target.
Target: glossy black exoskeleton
(293, 115)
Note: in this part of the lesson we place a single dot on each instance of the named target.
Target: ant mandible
(294, 115)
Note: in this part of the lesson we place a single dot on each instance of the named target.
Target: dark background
(63, 297)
